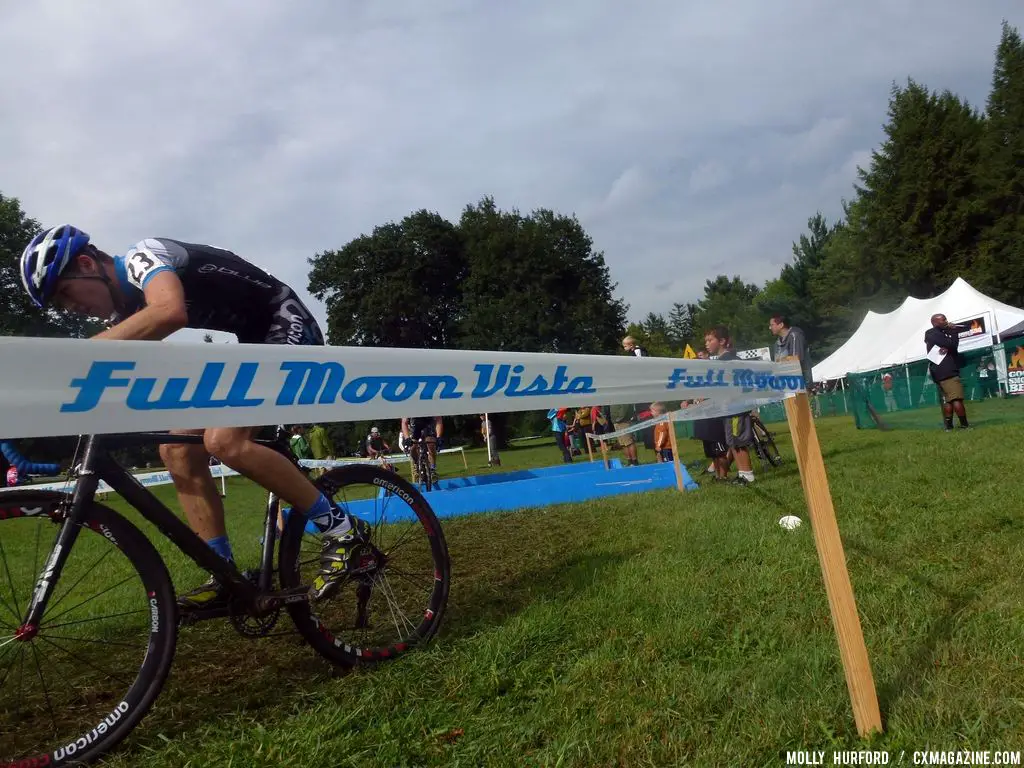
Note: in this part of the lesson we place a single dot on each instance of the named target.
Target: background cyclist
(431, 429)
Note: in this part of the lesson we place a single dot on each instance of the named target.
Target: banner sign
(80, 386)
(1014, 371)
(977, 334)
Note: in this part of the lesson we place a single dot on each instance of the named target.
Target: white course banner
(80, 386)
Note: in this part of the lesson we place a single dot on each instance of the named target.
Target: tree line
(942, 196)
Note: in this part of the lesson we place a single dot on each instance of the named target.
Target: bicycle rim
(396, 600)
(98, 659)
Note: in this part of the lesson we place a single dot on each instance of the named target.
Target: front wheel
(394, 592)
(77, 684)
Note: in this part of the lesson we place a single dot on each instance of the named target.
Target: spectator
(711, 433)
(791, 342)
(299, 446)
(643, 410)
(623, 417)
(988, 378)
(944, 366)
(890, 396)
(662, 439)
(320, 444)
(738, 427)
(557, 418)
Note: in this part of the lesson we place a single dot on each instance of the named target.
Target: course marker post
(675, 453)
(834, 571)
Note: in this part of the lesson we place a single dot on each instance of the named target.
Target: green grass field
(660, 629)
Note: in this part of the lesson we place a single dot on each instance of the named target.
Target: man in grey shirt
(791, 342)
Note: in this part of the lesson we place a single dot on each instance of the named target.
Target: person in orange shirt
(662, 441)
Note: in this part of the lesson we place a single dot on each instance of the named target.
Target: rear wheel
(77, 684)
(393, 598)
(766, 445)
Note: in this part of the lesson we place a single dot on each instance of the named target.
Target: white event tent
(897, 337)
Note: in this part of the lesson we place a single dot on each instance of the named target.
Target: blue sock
(326, 516)
(222, 547)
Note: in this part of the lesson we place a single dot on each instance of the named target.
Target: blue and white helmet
(45, 258)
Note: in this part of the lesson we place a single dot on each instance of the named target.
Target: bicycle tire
(766, 445)
(163, 635)
(310, 626)
(426, 478)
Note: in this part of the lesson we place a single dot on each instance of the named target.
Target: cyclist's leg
(293, 324)
(189, 467)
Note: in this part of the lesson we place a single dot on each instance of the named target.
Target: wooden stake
(675, 453)
(852, 649)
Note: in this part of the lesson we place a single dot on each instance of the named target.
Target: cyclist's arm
(165, 312)
(405, 428)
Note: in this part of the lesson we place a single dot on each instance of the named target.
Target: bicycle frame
(97, 464)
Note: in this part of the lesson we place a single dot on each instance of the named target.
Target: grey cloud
(691, 139)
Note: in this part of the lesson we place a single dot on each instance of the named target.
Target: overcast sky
(690, 138)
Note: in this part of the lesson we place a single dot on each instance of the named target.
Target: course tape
(80, 386)
(163, 477)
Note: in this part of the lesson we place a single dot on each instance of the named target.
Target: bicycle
(427, 476)
(764, 443)
(103, 707)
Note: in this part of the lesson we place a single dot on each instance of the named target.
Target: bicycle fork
(70, 527)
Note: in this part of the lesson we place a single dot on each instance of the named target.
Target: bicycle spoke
(401, 540)
(94, 618)
(389, 597)
(21, 676)
(99, 642)
(10, 611)
(410, 578)
(98, 594)
(83, 661)
(85, 573)
(14, 595)
(8, 673)
(46, 691)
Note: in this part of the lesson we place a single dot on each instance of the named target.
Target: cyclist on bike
(431, 429)
(156, 288)
(376, 445)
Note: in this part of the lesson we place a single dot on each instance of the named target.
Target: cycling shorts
(422, 428)
(291, 322)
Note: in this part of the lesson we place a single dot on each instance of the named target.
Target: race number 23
(139, 265)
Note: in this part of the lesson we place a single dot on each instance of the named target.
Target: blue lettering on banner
(742, 378)
(140, 395)
(323, 383)
(490, 382)
(761, 381)
(308, 383)
(713, 377)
